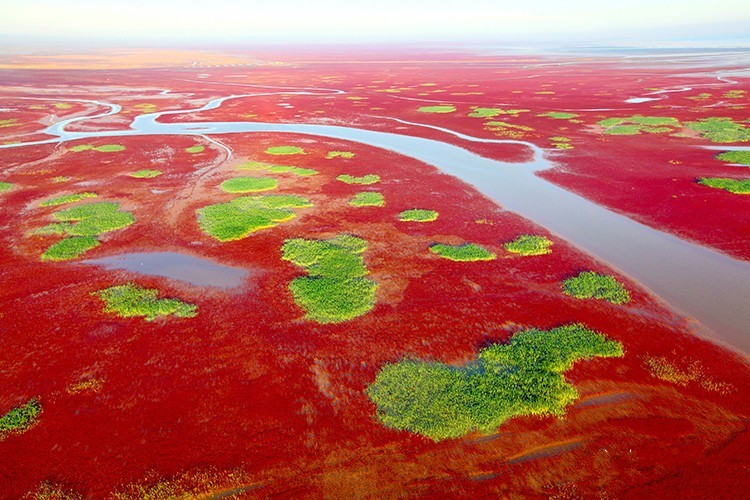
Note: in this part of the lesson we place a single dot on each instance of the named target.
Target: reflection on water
(176, 266)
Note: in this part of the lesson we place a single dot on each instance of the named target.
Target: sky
(377, 20)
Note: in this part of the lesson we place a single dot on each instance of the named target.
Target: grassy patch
(82, 224)
(529, 244)
(131, 300)
(493, 112)
(70, 248)
(339, 154)
(365, 179)
(437, 109)
(720, 130)
(9, 122)
(418, 215)
(735, 186)
(559, 115)
(462, 253)
(145, 174)
(734, 94)
(739, 157)
(335, 288)
(5, 186)
(106, 148)
(195, 149)
(247, 214)
(20, 418)
(249, 184)
(590, 285)
(367, 199)
(523, 377)
(278, 169)
(636, 124)
(285, 150)
(93, 219)
(67, 198)
(561, 142)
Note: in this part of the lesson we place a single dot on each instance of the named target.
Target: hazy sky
(379, 19)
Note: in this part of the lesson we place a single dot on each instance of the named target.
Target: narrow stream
(698, 281)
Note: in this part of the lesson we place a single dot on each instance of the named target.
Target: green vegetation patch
(720, 130)
(70, 248)
(106, 148)
(448, 108)
(247, 214)
(492, 112)
(249, 184)
(734, 94)
(67, 198)
(559, 115)
(339, 154)
(636, 124)
(367, 199)
(130, 300)
(278, 169)
(365, 179)
(20, 418)
(195, 149)
(523, 377)
(590, 285)
(5, 186)
(145, 174)
(739, 157)
(285, 150)
(93, 219)
(462, 253)
(82, 224)
(418, 215)
(735, 186)
(9, 122)
(335, 288)
(529, 244)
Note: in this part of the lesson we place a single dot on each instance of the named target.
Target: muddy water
(700, 282)
(177, 266)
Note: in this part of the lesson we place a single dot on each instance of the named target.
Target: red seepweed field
(278, 386)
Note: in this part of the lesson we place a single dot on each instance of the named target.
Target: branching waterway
(703, 283)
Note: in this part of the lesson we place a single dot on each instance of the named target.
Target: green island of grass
(523, 377)
(466, 252)
(70, 248)
(734, 186)
(106, 148)
(278, 169)
(720, 130)
(198, 148)
(558, 115)
(437, 109)
(9, 122)
(145, 174)
(5, 186)
(479, 112)
(82, 224)
(529, 244)
(249, 184)
(20, 418)
(367, 199)
(242, 216)
(636, 124)
(590, 285)
(365, 179)
(130, 300)
(339, 154)
(738, 157)
(67, 198)
(418, 215)
(335, 289)
(285, 150)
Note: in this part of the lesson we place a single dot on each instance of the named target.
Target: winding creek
(695, 280)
